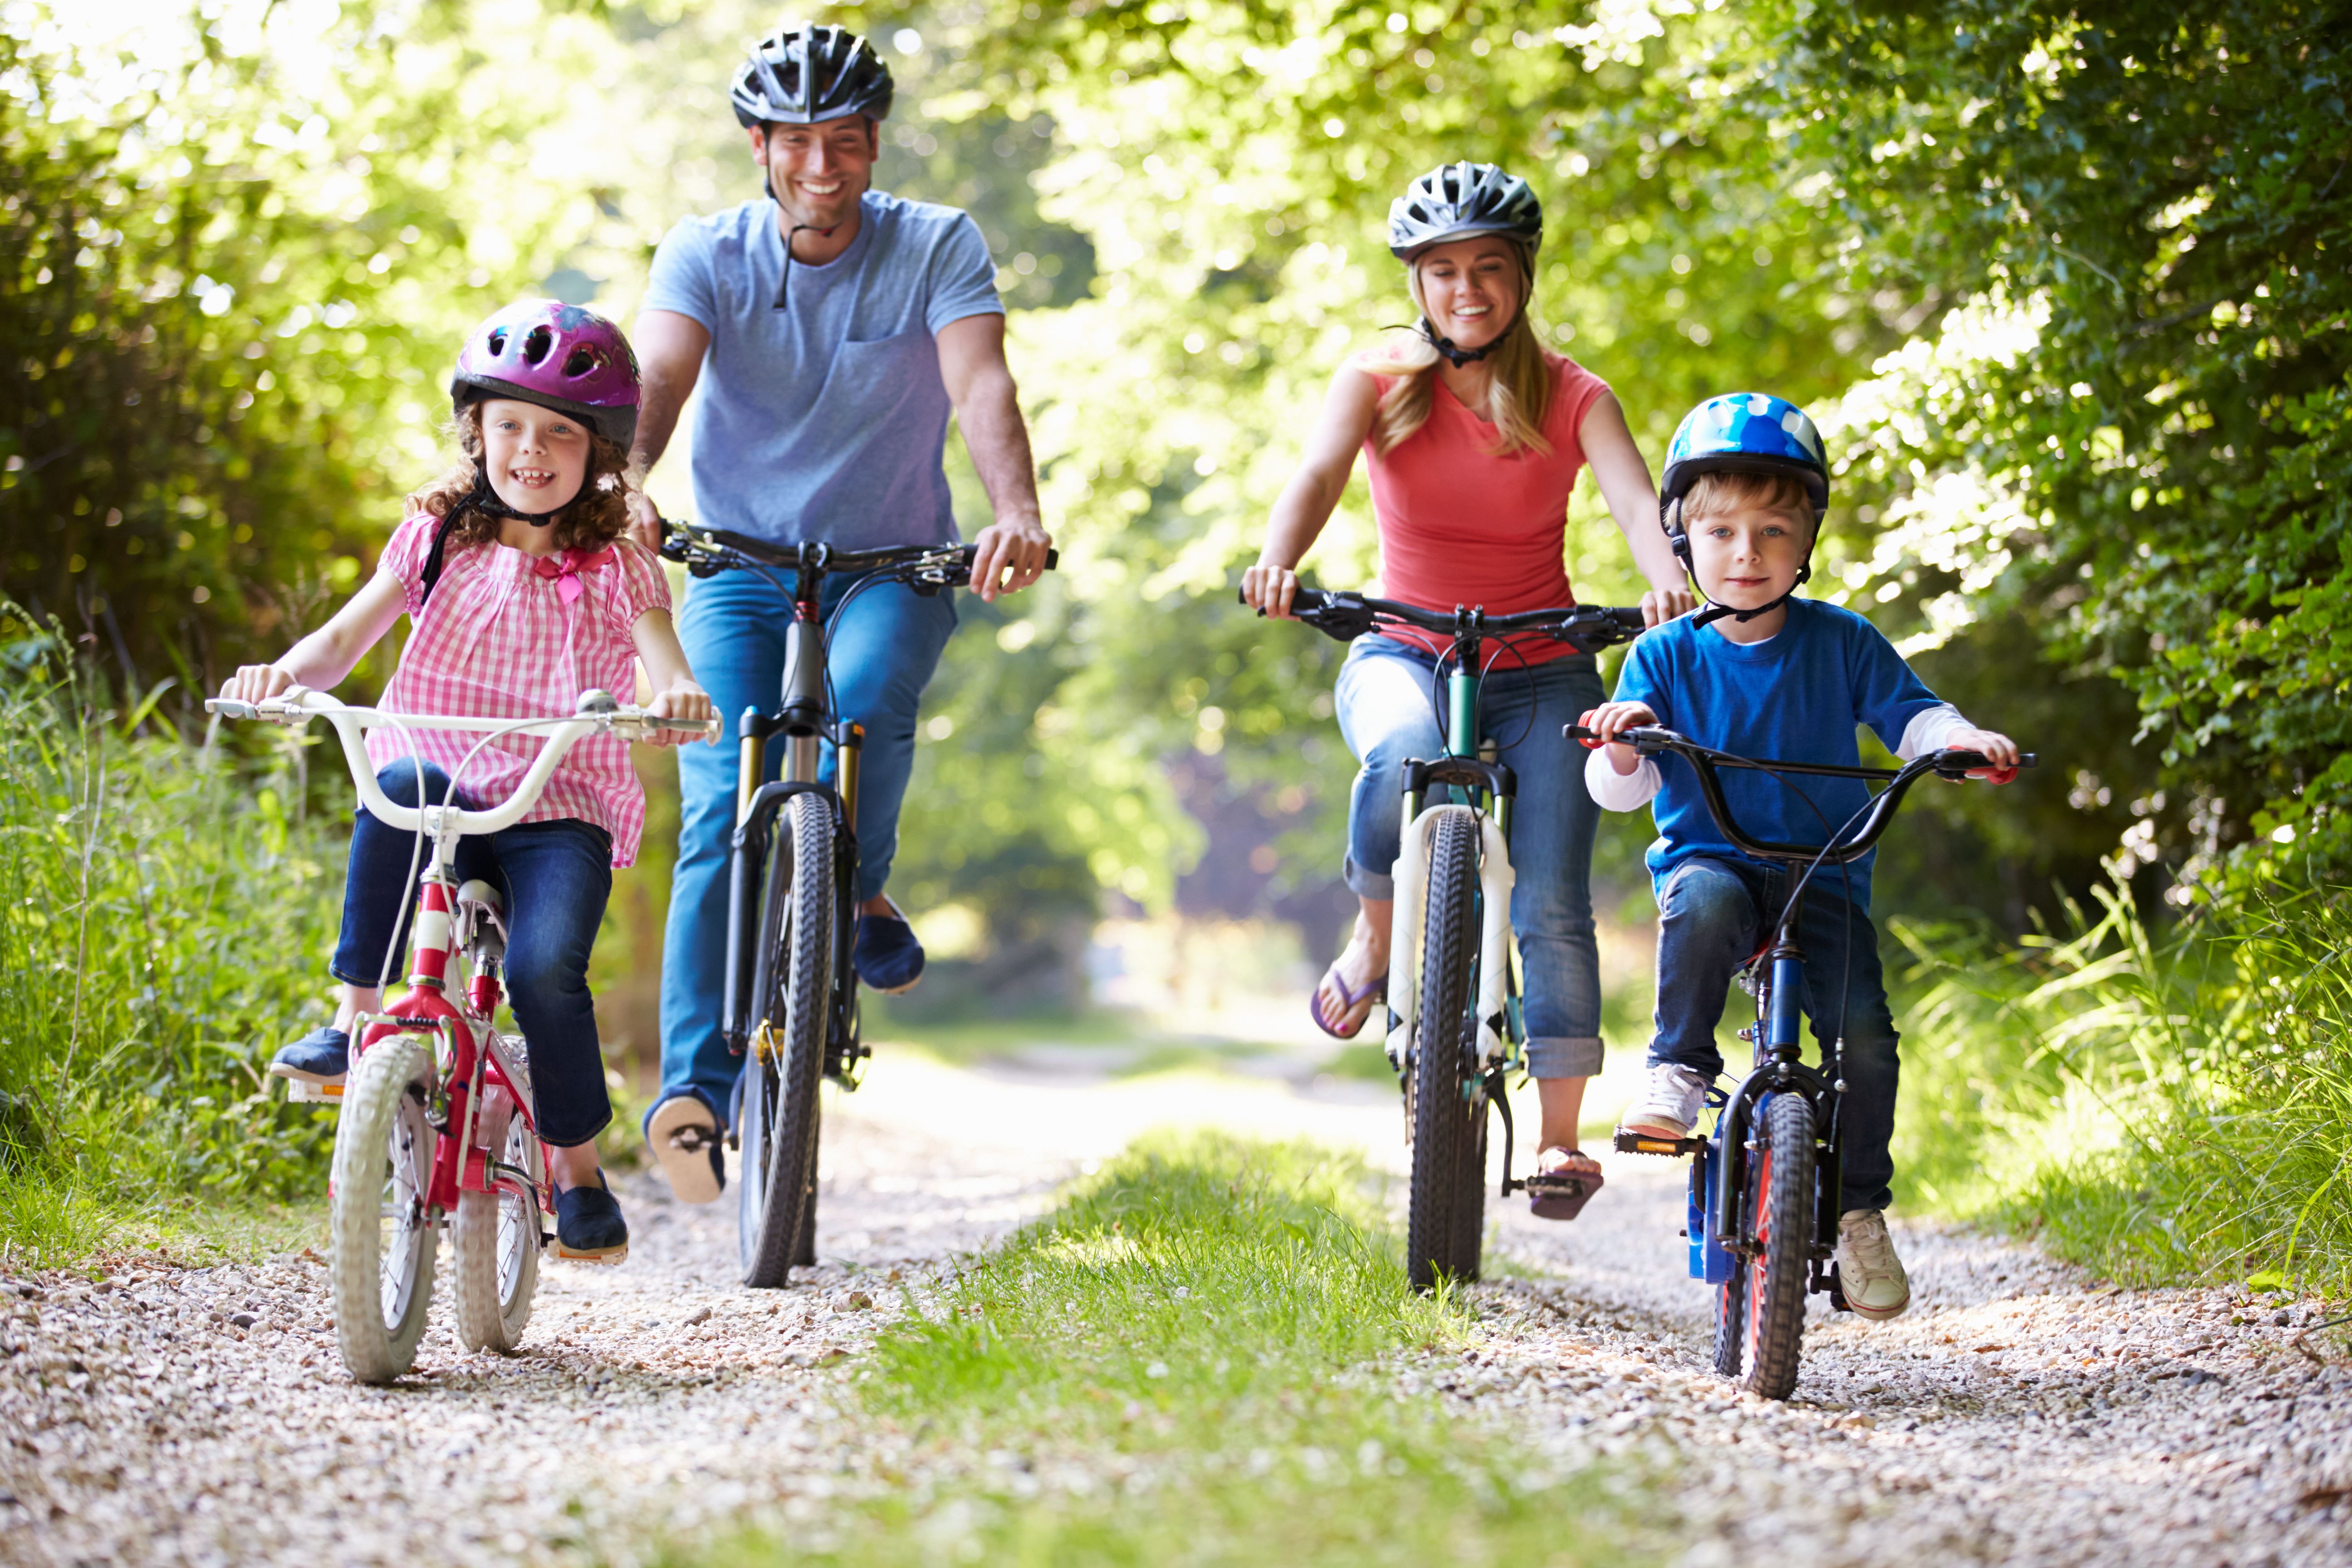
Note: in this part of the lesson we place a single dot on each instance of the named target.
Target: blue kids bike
(1763, 1209)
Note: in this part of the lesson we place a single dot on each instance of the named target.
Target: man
(839, 326)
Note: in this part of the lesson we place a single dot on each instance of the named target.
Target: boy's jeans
(556, 876)
(1711, 915)
(1386, 716)
(881, 655)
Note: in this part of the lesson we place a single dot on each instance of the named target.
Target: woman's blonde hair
(1518, 395)
(594, 518)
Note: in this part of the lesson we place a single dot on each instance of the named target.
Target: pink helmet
(557, 355)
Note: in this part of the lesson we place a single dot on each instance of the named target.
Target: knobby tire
(379, 1242)
(1441, 1120)
(794, 983)
(1782, 1182)
(494, 1239)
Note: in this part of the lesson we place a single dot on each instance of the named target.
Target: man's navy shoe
(589, 1228)
(886, 957)
(320, 1056)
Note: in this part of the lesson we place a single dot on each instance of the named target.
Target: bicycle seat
(481, 913)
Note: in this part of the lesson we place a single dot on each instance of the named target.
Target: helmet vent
(536, 344)
(498, 342)
(581, 360)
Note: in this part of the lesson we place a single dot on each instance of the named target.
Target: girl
(521, 592)
(1474, 433)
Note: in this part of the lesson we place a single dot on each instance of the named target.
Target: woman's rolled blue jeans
(1388, 700)
(1711, 916)
(556, 877)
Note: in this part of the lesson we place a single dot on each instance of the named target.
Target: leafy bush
(2161, 1108)
(164, 927)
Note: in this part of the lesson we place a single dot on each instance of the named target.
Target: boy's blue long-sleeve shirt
(1796, 697)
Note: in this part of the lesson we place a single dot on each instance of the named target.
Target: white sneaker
(1868, 1271)
(1668, 1106)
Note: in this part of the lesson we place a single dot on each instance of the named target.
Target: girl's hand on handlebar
(1997, 747)
(1611, 719)
(681, 700)
(1660, 605)
(1270, 589)
(258, 683)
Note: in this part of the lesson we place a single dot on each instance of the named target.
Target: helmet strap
(485, 500)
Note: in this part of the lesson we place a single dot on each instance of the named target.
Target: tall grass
(2160, 1108)
(1192, 1359)
(165, 919)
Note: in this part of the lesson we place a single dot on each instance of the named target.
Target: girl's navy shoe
(589, 1228)
(320, 1056)
(886, 956)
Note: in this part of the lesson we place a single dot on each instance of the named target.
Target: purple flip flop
(1377, 991)
(1559, 1195)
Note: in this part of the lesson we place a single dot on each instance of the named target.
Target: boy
(1762, 673)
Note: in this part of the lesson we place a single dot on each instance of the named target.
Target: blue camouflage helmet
(1746, 433)
(1742, 433)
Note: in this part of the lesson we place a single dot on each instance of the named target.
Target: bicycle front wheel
(792, 983)
(380, 1239)
(494, 1241)
(1782, 1182)
(1441, 1111)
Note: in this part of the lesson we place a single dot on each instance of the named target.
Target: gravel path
(2018, 1414)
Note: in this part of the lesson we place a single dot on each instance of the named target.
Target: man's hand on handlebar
(1270, 590)
(1008, 556)
(1997, 748)
(258, 683)
(1611, 719)
(1660, 605)
(681, 700)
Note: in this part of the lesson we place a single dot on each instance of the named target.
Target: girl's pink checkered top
(511, 636)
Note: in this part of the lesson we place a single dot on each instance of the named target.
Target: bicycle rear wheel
(1782, 1182)
(494, 1241)
(1730, 1321)
(380, 1239)
(1441, 1114)
(793, 983)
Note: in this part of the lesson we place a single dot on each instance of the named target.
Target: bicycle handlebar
(1344, 616)
(706, 552)
(599, 713)
(1649, 740)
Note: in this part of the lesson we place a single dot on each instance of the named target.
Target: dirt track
(2018, 1414)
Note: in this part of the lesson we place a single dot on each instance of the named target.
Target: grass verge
(1194, 1359)
(2161, 1108)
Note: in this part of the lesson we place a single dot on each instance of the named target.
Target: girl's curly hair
(598, 516)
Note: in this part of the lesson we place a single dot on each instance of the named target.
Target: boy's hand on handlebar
(1611, 719)
(1660, 605)
(258, 683)
(1270, 590)
(682, 700)
(1007, 557)
(1998, 748)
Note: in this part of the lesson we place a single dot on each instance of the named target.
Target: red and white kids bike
(436, 1125)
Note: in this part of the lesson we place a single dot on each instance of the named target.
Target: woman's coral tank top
(1461, 525)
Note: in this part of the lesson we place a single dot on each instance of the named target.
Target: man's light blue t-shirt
(826, 419)
(1796, 697)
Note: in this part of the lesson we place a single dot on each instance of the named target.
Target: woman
(1474, 433)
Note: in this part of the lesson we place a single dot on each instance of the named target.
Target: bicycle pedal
(618, 1254)
(298, 1092)
(1626, 1142)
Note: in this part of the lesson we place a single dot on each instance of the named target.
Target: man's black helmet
(1454, 200)
(807, 72)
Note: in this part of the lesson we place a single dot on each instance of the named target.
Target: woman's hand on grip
(1270, 589)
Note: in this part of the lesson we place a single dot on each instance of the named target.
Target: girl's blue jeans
(1388, 699)
(1711, 916)
(556, 876)
(882, 654)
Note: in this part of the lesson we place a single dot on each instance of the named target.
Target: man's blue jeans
(882, 654)
(1386, 714)
(1711, 916)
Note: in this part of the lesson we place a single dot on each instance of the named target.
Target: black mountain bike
(792, 996)
(1455, 1022)
(1764, 1193)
